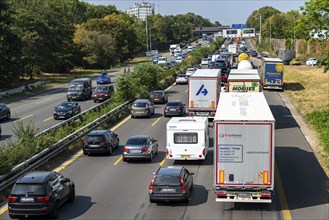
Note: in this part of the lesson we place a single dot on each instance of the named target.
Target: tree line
(57, 36)
(313, 17)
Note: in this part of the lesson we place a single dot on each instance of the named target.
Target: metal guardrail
(48, 153)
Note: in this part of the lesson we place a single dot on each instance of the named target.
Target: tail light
(180, 109)
(221, 194)
(143, 149)
(151, 184)
(103, 143)
(166, 108)
(147, 108)
(204, 152)
(212, 113)
(162, 96)
(125, 149)
(12, 198)
(167, 151)
(182, 184)
(43, 199)
(191, 113)
(266, 195)
(85, 143)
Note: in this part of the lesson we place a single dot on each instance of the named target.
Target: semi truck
(172, 48)
(187, 138)
(244, 83)
(233, 48)
(204, 87)
(271, 73)
(243, 169)
(244, 72)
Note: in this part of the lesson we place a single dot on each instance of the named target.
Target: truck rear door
(203, 93)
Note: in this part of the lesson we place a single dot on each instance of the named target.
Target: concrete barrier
(22, 88)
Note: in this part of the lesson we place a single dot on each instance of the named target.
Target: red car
(102, 93)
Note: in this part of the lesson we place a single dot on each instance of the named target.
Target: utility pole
(270, 36)
(150, 38)
(260, 28)
(294, 34)
(147, 40)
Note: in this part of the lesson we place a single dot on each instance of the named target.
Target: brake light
(221, 194)
(85, 143)
(182, 184)
(167, 151)
(151, 184)
(43, 199)
(179, 109)
(212, 113)
(266, 195)
(166, 108)
(162, 96)
(125, 149)
(144, 149)
(12, 198)
(204, 152)
(103, 143)
(147, 108)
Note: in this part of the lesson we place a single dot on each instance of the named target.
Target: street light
(260, 28)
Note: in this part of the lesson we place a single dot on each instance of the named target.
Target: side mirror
(191, 173)
(55, 108)
(153, 173)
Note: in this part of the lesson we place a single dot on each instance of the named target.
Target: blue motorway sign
(239, 26)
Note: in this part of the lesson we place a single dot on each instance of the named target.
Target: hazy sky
(227, 12)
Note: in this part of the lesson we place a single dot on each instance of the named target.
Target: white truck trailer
(172, 48)
(244, 72)
(244, 83)
(243, 149)
(233, 48)
(187, 138)
(204, 87)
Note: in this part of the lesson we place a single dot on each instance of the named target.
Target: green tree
(253, 20)
(10, 46)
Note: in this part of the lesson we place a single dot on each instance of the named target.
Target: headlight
(106, 95)
(70, 112)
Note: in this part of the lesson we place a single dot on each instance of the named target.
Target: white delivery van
(187, 138)
(243, 149)
(204, 87)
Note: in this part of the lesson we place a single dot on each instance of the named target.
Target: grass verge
(308, 88)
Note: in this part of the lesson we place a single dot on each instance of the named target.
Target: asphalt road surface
(108, 188)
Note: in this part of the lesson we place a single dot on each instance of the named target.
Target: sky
(226, 12)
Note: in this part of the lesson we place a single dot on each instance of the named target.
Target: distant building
(141, 10)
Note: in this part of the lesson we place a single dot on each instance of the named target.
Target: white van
(162, 60)
(187, 138)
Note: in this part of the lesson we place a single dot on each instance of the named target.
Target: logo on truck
(202, 90)
(222, 135)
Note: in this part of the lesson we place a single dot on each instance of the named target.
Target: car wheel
(85, 153)
(124, 159)
(72, 195)
(13, 216)
(153, 111)
(151, 157)
(8, 116)
(111, 150)
(95, 101)
(132, 116)
(118, 144)
(164, 114)
(55, 210)
(150, 114)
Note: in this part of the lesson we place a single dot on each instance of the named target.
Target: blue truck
(272, 73)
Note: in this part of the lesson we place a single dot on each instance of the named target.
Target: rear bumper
(247, 196)
(159, 197)
(100, 150)
(173, 113)
(31, 211)
(185, 157)
(137, 156)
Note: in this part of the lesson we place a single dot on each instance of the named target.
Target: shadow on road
(80, 206)
(304, 181)
(283, 117)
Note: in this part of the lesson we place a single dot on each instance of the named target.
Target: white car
(204, 61)
(311, 62)
(162, 60)
(189, 49)
(179, 59)
(181, 79)
(190, 71)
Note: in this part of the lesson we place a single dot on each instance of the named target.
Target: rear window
(157, 93)
(182, 76)
(137, 141)
(173, 104)
(102, 89)
(95, 138)
(185, 138)
(29, 189)
(167, 180)
(139, 104)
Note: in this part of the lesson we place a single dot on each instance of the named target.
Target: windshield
(137, 141)
(182, 76)
(102, 89)
(29, 189)
(75, 87)
(173, 104)
(65, 105)
(139, 104)
(167, 180)
(219, 64)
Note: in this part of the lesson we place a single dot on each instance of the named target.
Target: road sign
(239, 26)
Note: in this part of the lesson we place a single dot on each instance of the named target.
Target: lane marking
(4, 209)
(121, 123)
(23, 118)
(283, 200)
(170, 87)
(48, 119)
(186, 90)
(118, 160)
(156, 121)
(46, 100)
(65, 164)
(164, 160)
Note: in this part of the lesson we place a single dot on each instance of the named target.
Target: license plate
(139, 112)
(172, 109)
(244, 195)
(156, 99)
(185, 156)
(27, 199)
(135, 151)
(202, 113)
(168, 190)
(100, 98)
(93, 145)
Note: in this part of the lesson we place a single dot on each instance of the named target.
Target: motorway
(108, 188)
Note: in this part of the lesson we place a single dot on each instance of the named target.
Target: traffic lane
(304, 181)
(126, 182)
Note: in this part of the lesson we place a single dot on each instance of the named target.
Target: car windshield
(29, 189)
(102, 89)
(75, 87)
(137, 142)
(167, 180)
(205, 59)
(95, 138)
(139, 104)
(157, 93)
(103, 74)
(181, 76)
(65, 105)
(219, 64)
(173, 104)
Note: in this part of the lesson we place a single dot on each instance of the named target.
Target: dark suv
(40, 193)
(159, 96)
(100, 141)
(171, 184)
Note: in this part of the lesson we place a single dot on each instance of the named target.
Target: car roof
(36, 177)
(141, 100)
(158, 91)
(62, 103)
(97, 132)
(139, 137)
(169, 171)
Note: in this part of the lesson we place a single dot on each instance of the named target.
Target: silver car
(140, 147)
(181, 79)
(142, 108)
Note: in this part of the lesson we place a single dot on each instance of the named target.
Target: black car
(40, 193)
(174, 108)
(159, 96)
(287, 61)
(66, 110)
(171, 184)
(140, 147)
(100, 141)
(4, 111)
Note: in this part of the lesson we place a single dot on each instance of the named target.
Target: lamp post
(147, 40)
(260, 28)
(270, 35)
